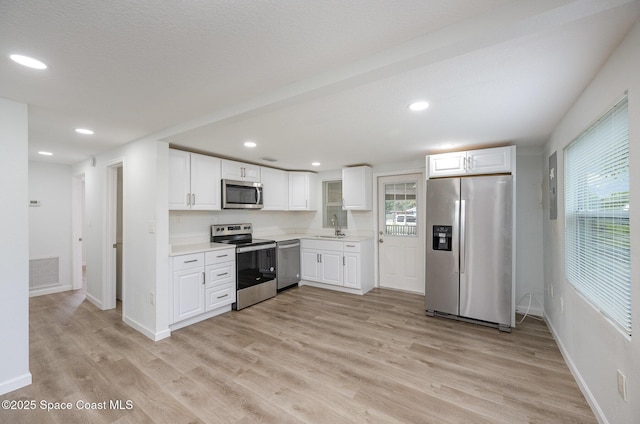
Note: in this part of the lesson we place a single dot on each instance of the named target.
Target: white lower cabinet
(202, 284)
(220, 286)
(352, 276)
(188, 286)
(345, 265)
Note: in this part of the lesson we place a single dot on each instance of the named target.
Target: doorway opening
(78, 232)
(114, 290)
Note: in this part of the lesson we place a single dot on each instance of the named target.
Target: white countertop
(187, 249)
(284, 237)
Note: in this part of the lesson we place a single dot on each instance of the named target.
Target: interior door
(401, 232)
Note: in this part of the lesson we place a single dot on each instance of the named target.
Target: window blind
(597, 230)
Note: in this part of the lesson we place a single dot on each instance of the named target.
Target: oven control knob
(271, 269)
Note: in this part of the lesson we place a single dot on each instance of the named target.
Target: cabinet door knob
(381, 241)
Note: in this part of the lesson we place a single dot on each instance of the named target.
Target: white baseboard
(335, 288)
(15, 383)
(538, 312)
(50, 290)
(155, 336)
(202, 317)
(95, 301)
(591, 400)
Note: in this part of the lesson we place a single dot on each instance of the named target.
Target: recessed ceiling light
(45, 153)
(250, 144)
(418, 106)
(84, 131)
(315, 164)
(28, 61)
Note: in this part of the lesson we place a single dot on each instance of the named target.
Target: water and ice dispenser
(442, 237)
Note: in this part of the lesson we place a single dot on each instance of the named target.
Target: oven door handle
(254, 248)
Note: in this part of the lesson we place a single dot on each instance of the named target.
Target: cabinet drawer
(350, 246)
(219, 256)
(194, 260)
(224, 273)
(218, 296)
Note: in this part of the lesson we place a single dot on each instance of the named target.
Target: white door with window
(401, 254)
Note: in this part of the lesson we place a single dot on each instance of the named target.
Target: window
(400, 209)
(597, 233)
(332, 205)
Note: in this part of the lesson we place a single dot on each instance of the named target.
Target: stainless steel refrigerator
(469, 249)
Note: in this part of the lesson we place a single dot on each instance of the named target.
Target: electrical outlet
(152, 227)
(561, 306)
(622, 385)
(152, 300)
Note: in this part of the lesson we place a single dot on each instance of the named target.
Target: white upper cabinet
(357, 188)
(275, 189)
(302, 191)
(205, 182)
(473, 162)
(194, 181)
(179, 179)
(232, 170)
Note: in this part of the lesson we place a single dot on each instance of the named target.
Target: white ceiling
(307, 80)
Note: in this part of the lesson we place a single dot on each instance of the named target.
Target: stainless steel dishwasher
(288, 264)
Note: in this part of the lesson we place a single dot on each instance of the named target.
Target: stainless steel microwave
(241, 195)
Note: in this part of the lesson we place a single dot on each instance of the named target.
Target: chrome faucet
(336, 225)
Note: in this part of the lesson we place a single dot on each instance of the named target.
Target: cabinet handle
(320, 255)
(188, 199)
(224, 273)
(204, 277)
(351, 245)
(191, 261)
(224, 295)
(344, 263)
(222, 256)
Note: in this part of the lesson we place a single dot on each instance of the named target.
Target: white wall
(529, 261)
(50, 223)
(145, 253)
(592, 346)
(14, 250)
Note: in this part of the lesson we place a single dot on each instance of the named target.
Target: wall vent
(43, 272)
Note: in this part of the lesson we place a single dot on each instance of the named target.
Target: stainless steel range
(255, 263)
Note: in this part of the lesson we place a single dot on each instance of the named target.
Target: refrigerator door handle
(463, 232)
(456, 226)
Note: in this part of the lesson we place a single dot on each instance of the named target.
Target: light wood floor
(309, 355)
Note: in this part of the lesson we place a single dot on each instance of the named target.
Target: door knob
(381, 241)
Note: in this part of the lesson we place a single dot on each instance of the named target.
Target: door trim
(110, 219)
(77, 228)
